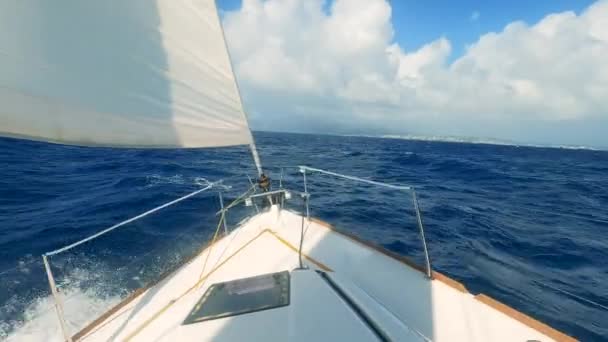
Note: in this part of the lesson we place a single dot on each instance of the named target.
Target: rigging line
(592, 219)
(137, 259)
(254, 191)
(252, 145)
(188, 261)
(226, 248)
(240, 198)
(107, 230)
(217, 229)
(357, 179)
(211, 247)
(175, 300)
(179, 236)
(159, 312)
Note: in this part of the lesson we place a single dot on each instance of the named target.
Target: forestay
(145, 73)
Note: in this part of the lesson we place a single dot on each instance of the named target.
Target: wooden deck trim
(507, 310)
(377, 248)
(503, 308)
(101, 319)
(400, 258)
(524, 319)
(450, 282)
(200, 281)
(89, 327)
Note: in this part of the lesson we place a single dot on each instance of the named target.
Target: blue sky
(527, 71)
(418, 22)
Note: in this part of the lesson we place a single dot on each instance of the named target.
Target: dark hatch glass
(242, 296)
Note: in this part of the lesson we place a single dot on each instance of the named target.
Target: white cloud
(303, 66)
(475, 16)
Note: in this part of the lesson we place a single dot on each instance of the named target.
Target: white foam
(178, 179)
(40, 322)
(158, 180)
(40, 319)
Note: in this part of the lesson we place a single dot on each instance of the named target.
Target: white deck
(400, 301)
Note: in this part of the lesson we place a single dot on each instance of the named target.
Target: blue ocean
(525, 225)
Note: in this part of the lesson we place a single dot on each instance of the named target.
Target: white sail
(147, 73)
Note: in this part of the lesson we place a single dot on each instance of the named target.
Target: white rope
(107, 230)
(357, 179)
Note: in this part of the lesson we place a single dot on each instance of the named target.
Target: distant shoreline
(453, 139)
(482, 141)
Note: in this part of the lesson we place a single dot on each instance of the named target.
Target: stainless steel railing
(305, 169)
(249, 195)
(45, 257)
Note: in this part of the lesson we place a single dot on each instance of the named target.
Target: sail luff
(252, 145)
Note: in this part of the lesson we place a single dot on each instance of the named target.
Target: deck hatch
(241, 296)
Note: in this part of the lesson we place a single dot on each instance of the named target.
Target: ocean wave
(474, 140)
(535, 208)
(178, 179)
(154, 180)
(39, 321)
(463, 169)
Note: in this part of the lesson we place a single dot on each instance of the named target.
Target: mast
(252, 145)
